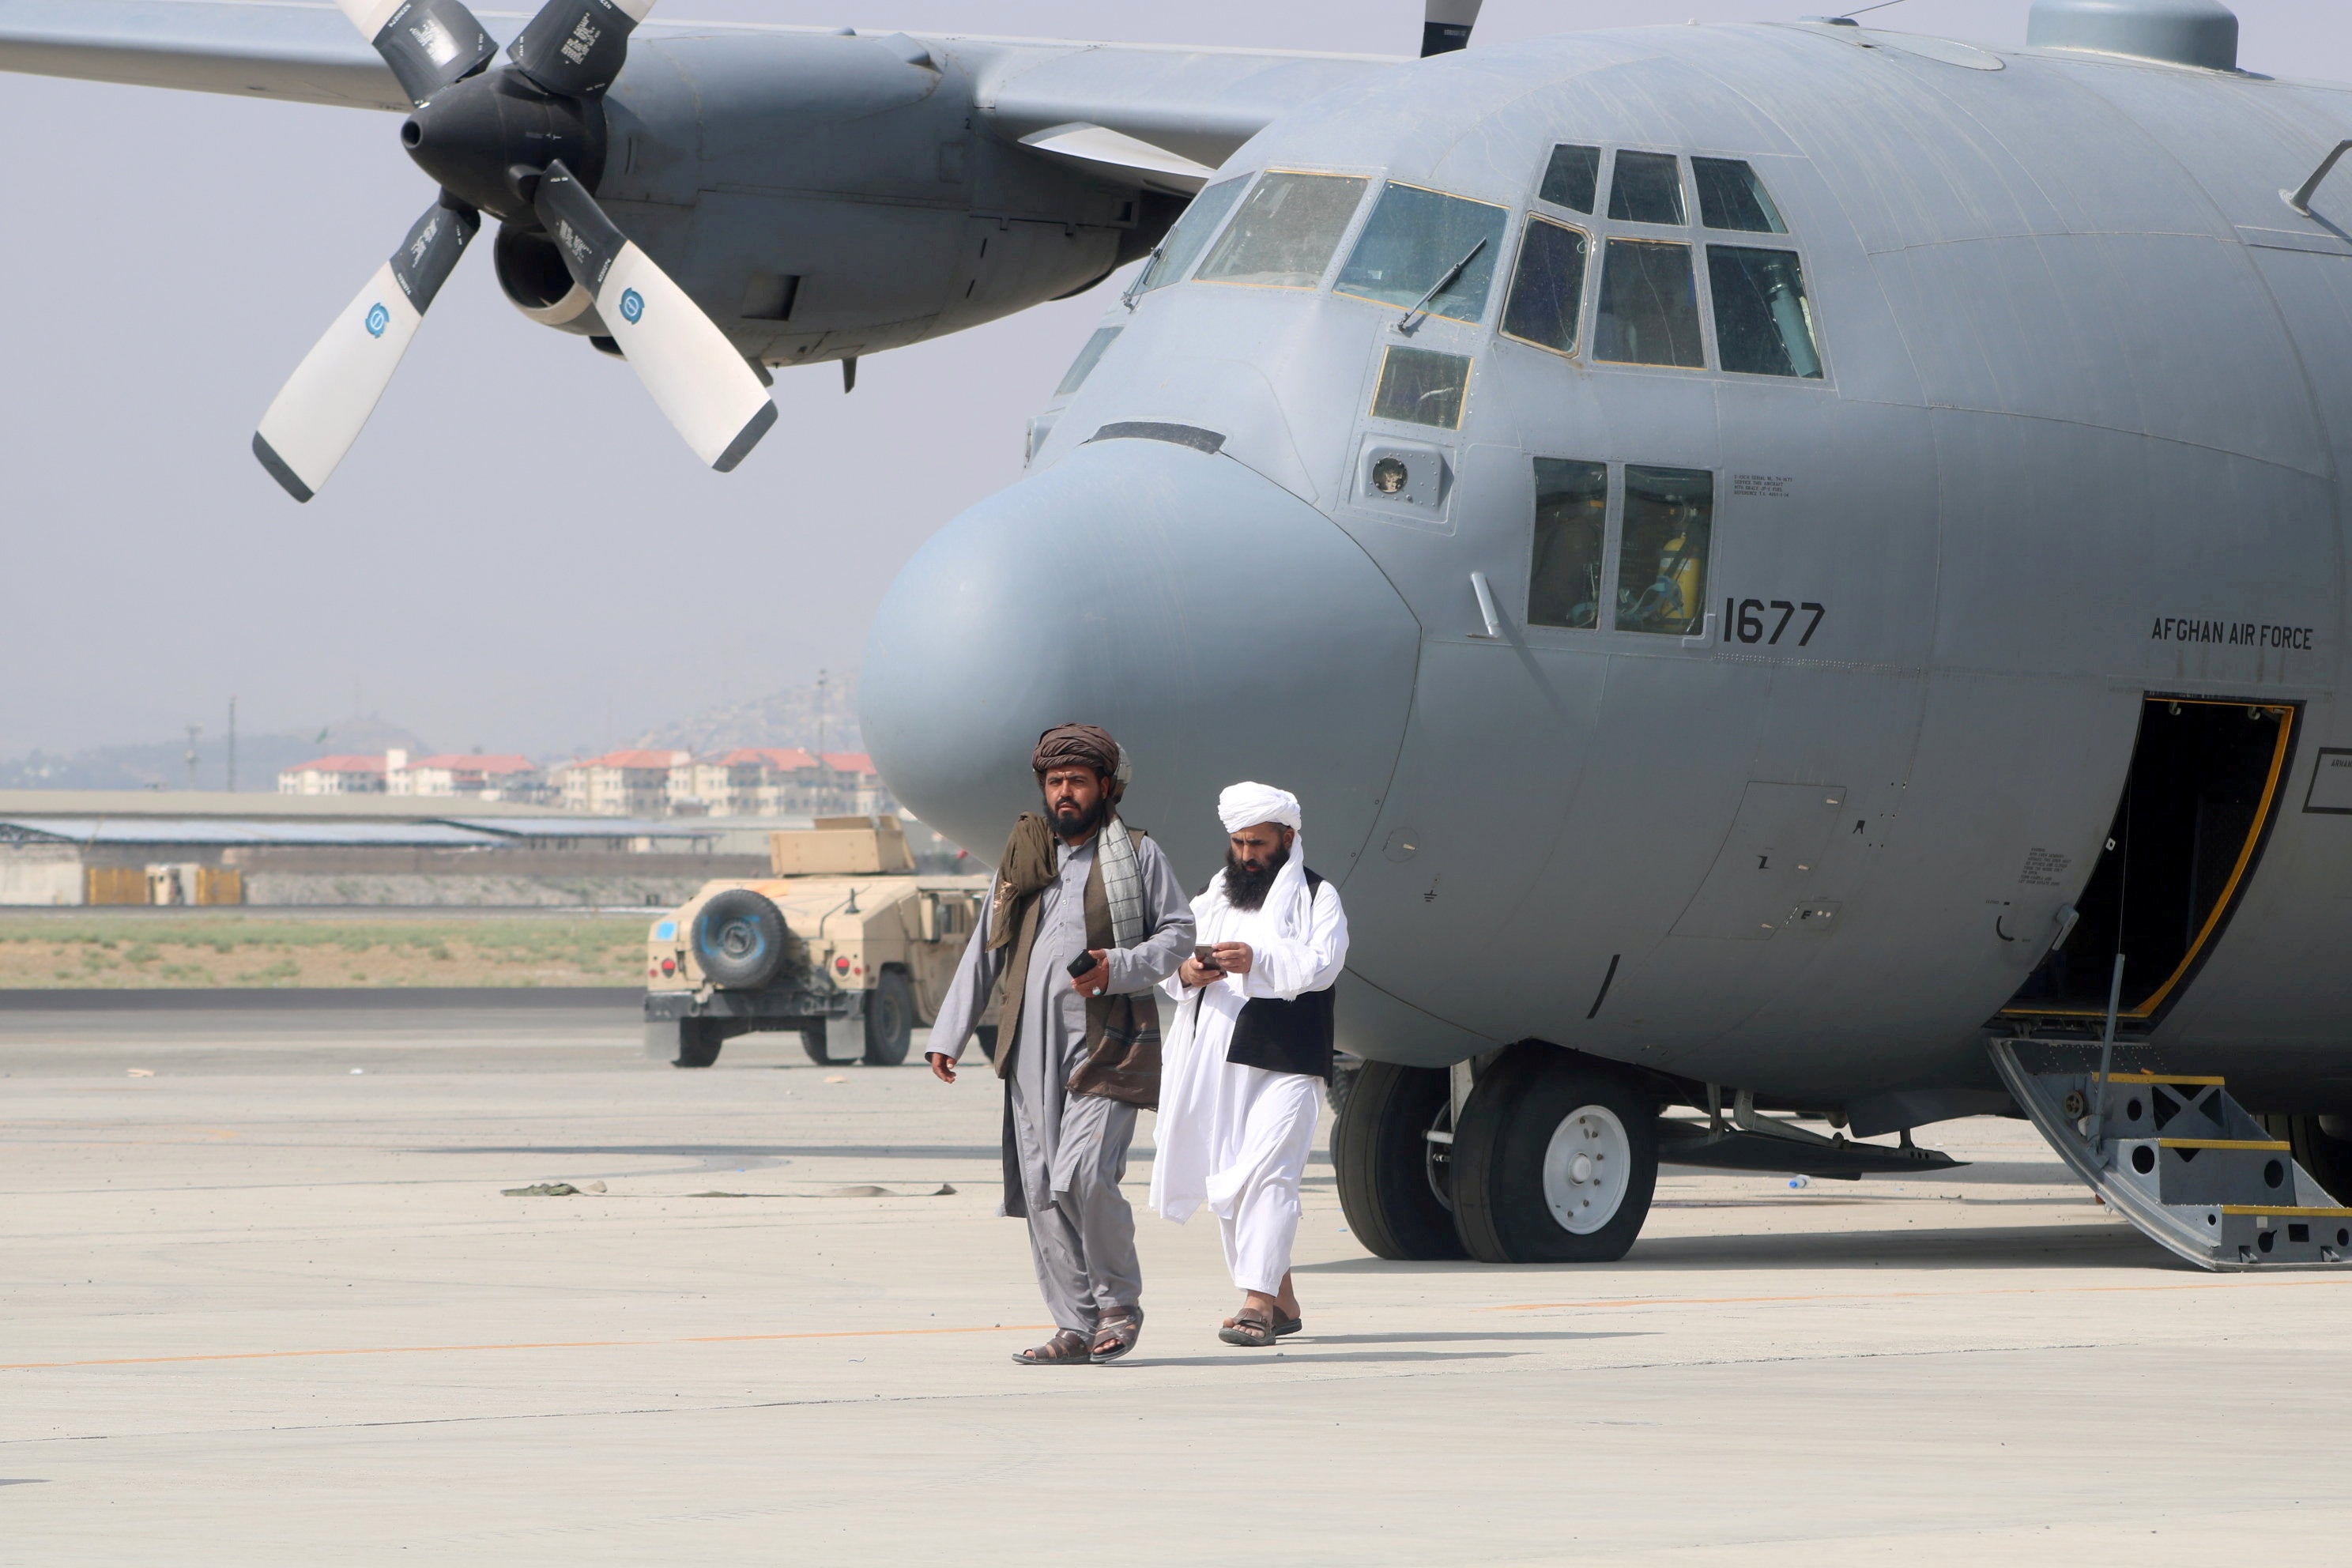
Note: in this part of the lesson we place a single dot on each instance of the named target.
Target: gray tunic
(1069, 1151)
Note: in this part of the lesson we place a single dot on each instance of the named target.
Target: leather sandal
(1283, 1326)
(1114, 1337)
(1067, 1348)
(1249, 1331)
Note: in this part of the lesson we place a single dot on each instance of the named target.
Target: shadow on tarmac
(2017, 1246)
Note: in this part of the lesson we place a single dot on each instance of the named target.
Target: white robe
(1233, 1138)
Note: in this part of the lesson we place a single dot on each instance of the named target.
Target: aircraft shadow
(2002, 1246)
(1240, 1357)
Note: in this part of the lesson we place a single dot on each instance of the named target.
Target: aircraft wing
(303, 53)
(1200, 104)
(1076, 100)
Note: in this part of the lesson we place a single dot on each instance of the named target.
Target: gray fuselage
(2086, 390)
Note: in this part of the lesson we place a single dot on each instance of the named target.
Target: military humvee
(846, 945)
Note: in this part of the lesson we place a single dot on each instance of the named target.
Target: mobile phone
(1206, 957)
(1081, 964)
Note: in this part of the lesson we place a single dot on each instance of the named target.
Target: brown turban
(1079, 745)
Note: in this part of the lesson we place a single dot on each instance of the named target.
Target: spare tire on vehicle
(739, 940)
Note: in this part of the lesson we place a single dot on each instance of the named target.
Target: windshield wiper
(1421, 307)
(1134, 289)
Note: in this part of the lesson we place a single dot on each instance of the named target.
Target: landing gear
(1555, 1160)
(1394, 1181)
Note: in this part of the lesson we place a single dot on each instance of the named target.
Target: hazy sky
(519, 553)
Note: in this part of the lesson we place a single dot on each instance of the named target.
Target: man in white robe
(1250, 1052)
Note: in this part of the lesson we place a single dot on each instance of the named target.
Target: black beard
(1245, 889)
(1080, 823)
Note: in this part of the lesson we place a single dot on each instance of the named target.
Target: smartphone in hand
(1206, 957)
(1081, 964)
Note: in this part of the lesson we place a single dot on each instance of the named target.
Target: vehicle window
(1570, 176)
(1421, 386)
(1763, 322)
(1649, 306)
(1648, 189)
(1572, 515)
(1083, 366)
(1731, 196)
(1547, 286)
(1415, 239)
(1661, 548)
(1284, 236)
(1191, 235)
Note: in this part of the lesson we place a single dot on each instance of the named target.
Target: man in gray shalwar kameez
(1077, 1048)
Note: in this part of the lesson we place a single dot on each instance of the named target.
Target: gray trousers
(1081, 1230)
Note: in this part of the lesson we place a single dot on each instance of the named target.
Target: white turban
(1247, 804)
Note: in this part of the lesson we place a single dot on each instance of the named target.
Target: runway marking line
(1900, 1295)
(537, 1345)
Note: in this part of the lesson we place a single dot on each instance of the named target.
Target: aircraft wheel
(698, 1040)
(1554, 1161)
(889, 1019)
(1392, 1179)
(2321, 1146)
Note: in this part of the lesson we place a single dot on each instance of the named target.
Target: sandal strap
(1068, 1344)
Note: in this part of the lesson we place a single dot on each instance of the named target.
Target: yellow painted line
(2259, 1208)
(1901, 1295)
(2158, 1077)
(530, 1345)
(2222, 1143)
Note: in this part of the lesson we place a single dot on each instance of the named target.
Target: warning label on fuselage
(2229, 634)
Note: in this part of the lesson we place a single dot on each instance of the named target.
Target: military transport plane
(1798, 568)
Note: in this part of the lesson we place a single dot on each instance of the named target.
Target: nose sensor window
(1286, 232)
(1084, 365)
(1421, 387)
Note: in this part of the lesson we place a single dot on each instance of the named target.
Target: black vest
(1287, 1036)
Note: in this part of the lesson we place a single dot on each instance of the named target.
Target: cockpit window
(1083, 366)
(1763, 322)
(1648, 188)
(1663, 540)
(1570, 176)
(1284, 236)
(1416, 240)
(1649, 306)
(1547, 286)
(1421, 387)
(1571, 520)
(1191, 235)
(1731, 196)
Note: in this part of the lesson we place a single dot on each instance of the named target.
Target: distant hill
(162, 764)
(786, 717)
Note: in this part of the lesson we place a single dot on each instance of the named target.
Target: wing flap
(301, 53)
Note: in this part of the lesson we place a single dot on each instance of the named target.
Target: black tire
(739, 940)
(813, 1042)
(698, 1040)
(1533, 1096)
(1381, 1147)
(889, 1019)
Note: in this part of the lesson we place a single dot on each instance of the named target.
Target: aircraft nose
(1222, 628)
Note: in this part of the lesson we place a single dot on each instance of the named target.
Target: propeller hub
(474, 135)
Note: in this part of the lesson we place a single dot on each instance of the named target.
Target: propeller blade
(1446, 25)
(575, 47)
(707, 389)
(428, 44)
(318, 413)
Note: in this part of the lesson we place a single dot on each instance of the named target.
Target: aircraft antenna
(1865, 11)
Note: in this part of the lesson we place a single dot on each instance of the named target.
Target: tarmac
(263, 1299)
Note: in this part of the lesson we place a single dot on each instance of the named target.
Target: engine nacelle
(828, 196)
